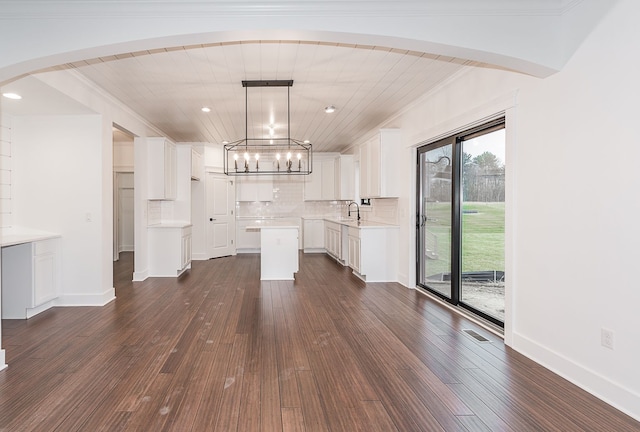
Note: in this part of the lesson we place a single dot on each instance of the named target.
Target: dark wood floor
(218, 350)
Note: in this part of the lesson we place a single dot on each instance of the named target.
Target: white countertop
(177, 224)
(17, 235)
(271, 223)
(362, 224)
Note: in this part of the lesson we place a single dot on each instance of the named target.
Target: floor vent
(476, 335)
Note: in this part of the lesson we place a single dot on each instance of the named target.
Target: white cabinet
(254, 188)
(373, 253)
(197, 166)
(247, 240)
(169, 249)
(313, 184)
(185, 248)
(279, 252)
(354, 249)
(322, 184)
(162, 167)
(328, 179)
(379, 164)
(333, 239)
(30, 278)
(345, 170)
(313, 235)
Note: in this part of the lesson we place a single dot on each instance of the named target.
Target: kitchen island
(278, 249)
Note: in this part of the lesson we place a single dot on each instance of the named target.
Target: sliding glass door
(461, 219)
(435, 218)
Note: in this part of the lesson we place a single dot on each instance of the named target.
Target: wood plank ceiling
(366, 84)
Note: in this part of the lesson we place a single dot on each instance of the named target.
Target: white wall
(572, 198)
(57, 180)
(5, 170)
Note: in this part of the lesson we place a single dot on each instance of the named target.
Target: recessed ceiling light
(206, 109)
(225, 142)
(12, 96)
(329, 109)
(307, 141)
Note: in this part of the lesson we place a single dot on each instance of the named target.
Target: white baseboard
(140, 276)
(614, 394)
(3, 365)
(314, 250)
(199, 257)
(87, 299)
(248, 250)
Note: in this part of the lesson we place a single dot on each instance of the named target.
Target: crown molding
(145, 9)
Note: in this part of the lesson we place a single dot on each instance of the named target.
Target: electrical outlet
(606, 338)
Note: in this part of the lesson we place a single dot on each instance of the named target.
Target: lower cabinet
(30, 278)
(185, 249)
(247, 241)
(169, 250)
(354, 249)
(373, 253)
(313, 235)
(333, 239)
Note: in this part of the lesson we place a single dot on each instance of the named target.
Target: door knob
(211, 219)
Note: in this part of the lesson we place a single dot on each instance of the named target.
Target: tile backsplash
(288, 201)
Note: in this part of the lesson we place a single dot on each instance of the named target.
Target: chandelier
(268, 155)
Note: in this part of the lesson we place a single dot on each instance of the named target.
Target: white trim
(140, 275)
(199, 257)
(86, 299)
(3, 364)
(123, 168)
(63, 9)
(247, 251)
(31, 312)
(612, 393)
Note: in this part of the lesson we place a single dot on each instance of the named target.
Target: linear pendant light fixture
(272, 155)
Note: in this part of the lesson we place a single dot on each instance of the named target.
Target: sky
(493, 142)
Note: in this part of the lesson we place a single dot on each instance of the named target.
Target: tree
(488, 162)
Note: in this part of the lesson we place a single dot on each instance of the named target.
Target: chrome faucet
(357, 208)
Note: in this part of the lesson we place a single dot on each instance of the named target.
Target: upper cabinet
(378, 159)
(162, 167)
(322, 183)
(345, 170)
(197, 166)
(254, 188)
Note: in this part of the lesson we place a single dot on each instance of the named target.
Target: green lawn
(482, 236)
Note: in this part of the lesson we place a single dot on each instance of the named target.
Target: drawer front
(45, 247)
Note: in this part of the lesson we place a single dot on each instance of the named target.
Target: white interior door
(221, 221)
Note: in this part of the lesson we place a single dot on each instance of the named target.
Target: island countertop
(272, 223)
